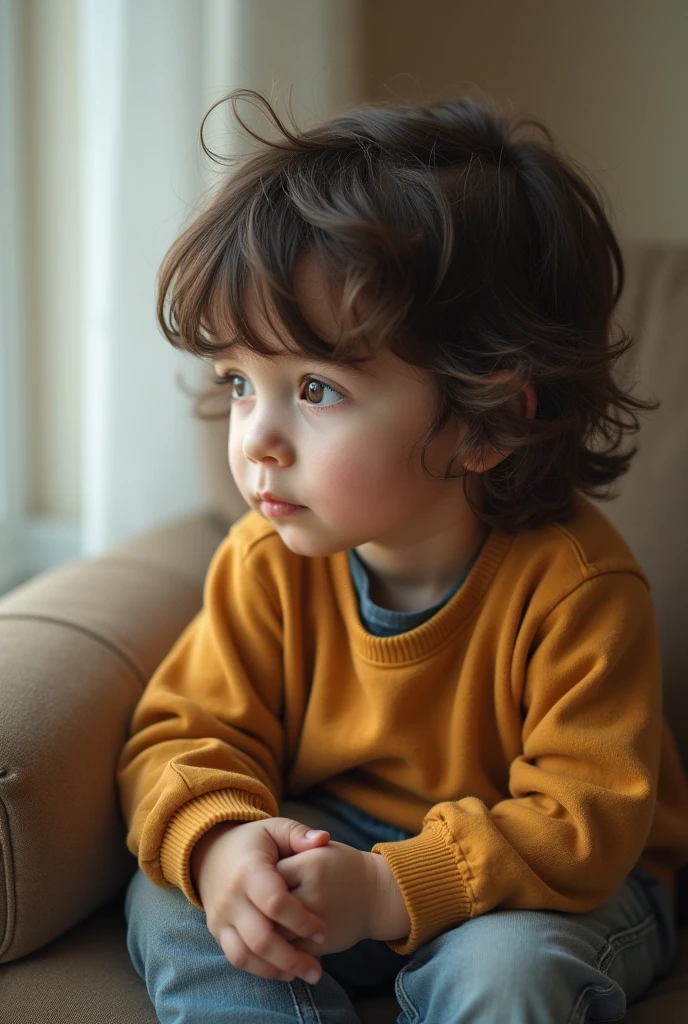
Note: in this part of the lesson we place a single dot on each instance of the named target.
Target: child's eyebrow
(359, 368)
(226, 350)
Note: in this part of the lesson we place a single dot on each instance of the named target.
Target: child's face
(337, 441)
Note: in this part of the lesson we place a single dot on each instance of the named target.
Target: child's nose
(264, 441)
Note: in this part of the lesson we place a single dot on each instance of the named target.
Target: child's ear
(523, 402)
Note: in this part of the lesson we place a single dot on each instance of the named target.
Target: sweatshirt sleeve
(206, 740)
(582, 791)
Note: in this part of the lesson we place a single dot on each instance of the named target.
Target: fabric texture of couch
(79, 642)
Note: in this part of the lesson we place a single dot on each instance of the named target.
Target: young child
(414, 738)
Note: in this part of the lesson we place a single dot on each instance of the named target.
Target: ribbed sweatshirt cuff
(194, 819)
(427, 873)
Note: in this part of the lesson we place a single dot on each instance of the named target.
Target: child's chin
(309, 547)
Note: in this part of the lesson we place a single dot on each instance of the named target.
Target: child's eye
(314, 388)
(230, 380)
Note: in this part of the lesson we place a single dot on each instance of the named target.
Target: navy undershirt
(385, 621)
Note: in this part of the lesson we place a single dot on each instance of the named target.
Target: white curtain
(140, 89)
(12, 470)
(149, 71)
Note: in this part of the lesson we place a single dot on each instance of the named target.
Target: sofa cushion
(86, 975)
(78, 645)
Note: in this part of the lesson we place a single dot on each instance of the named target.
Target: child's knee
(494, 968)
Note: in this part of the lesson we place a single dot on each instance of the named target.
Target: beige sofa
(78, 643)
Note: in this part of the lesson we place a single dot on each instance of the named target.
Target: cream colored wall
(607, 75)
(51, 161)
(610, 77)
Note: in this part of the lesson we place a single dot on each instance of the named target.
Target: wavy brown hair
(476, 248)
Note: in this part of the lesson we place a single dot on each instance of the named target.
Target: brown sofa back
(650, 508)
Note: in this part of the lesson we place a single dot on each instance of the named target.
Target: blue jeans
(504, 967)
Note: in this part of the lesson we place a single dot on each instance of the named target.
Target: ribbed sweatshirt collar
(425, 639)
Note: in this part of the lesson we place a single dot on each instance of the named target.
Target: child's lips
(277, 509)
(273, 506)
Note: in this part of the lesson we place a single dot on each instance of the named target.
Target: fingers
(255, 946)
(288, 934)
(239, 954)
(269, 893)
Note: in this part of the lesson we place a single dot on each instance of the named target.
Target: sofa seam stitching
(86, 632)
(10, 887)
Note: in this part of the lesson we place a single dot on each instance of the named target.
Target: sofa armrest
(77, 645)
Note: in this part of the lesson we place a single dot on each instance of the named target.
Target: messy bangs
(245, 289)
(239, 256)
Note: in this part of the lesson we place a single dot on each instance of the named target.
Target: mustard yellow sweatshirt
(518, 733)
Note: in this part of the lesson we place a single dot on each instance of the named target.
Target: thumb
(293, 836)
(306, 838)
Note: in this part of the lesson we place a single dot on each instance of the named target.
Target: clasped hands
(267, 889)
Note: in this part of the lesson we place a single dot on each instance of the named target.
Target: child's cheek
(237, 466)
(350, 487)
